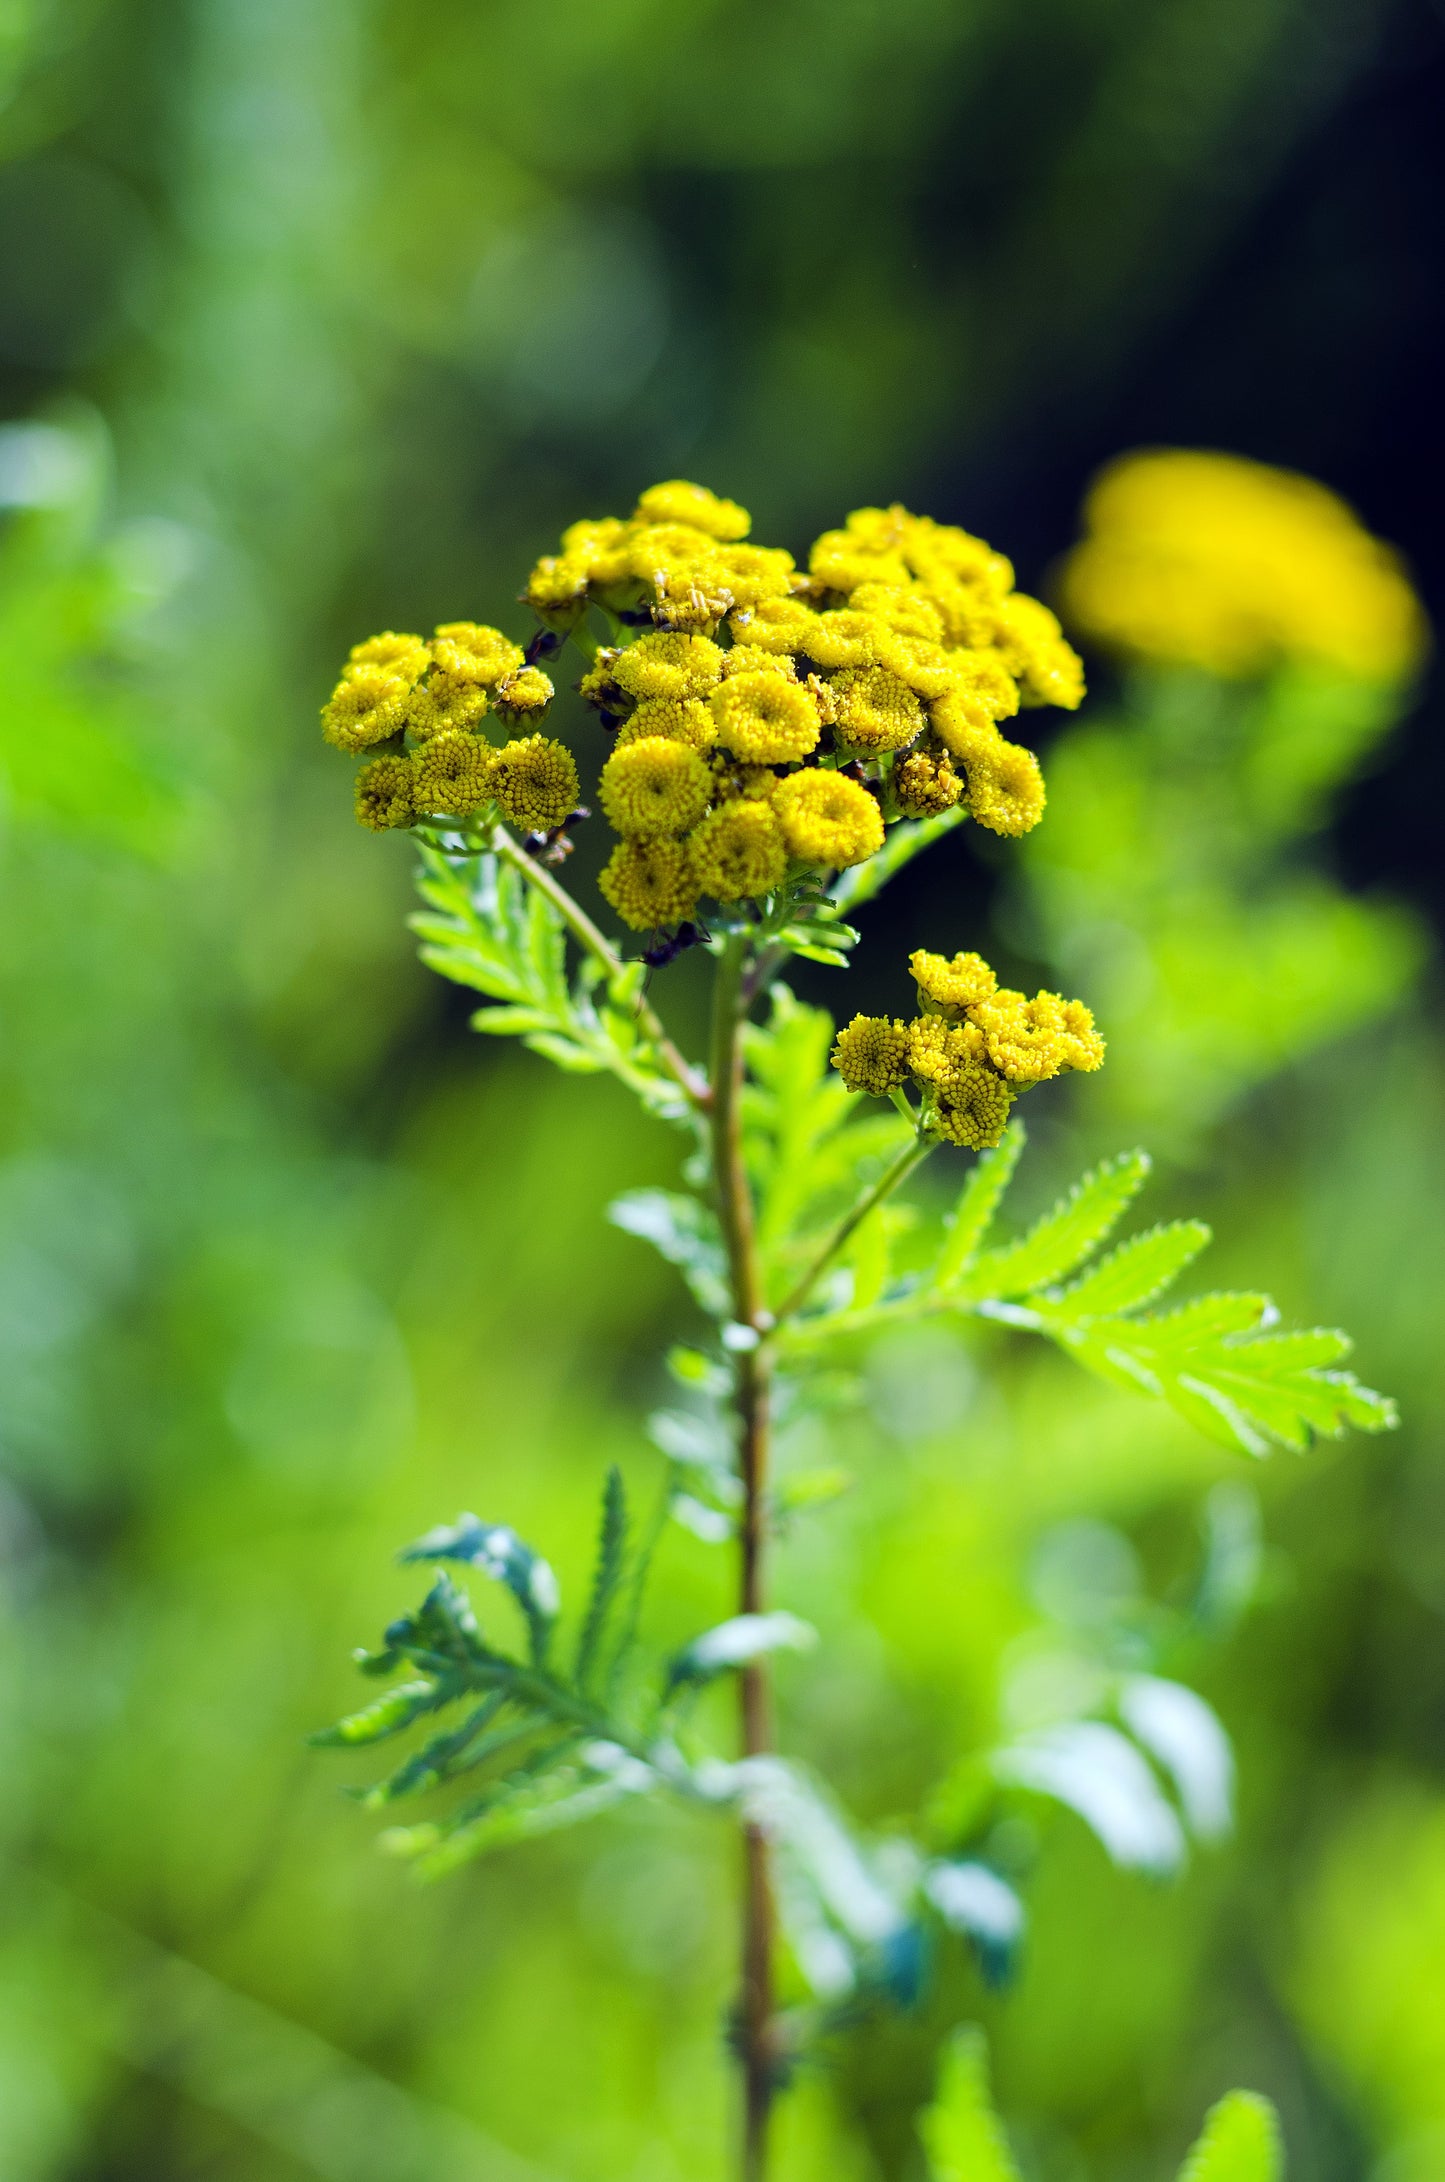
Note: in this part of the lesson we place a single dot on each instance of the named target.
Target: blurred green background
(318, 316)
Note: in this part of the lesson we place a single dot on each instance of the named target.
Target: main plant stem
(756, 2013)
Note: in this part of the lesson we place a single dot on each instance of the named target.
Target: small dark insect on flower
(542, 646)
(667, 950)
(554, 848)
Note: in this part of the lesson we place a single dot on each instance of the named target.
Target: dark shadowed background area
(319, 316)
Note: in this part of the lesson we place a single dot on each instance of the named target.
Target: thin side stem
(757, 2008)
(597, 944)
(911, 1156)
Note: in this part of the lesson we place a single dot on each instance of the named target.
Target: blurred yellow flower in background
(1212, 561)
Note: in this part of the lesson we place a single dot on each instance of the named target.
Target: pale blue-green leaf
(686, 1233)
(733, 1643)
(1183, 1735)
(1099, 1774)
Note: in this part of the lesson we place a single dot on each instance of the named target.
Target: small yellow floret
(1004, 785)
(905, 612)
(751, 574)
(827, 819)
(982, 688)
(678, 502)
(384, 794)
(653, 787)
(738, 851)
(650, 883)
(754, 659)
(535, 782)
(867, 550)
(1031, 1040)
(668, 663)
(844, 638)
(765, 719)
(443, 702)
(775, 625)
(926, 784)
(403, 655)
(366, 707)
(451, 774)
(926, 667)
(947, 985)
(937, 1050)
(524, 695)
(475, 652)
(874, 711)
(680, 719)
(871, 1054)
(556, 590)
(1033, 648)
(972, 1107)
(601, 548)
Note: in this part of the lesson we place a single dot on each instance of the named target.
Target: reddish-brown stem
(757, 2012)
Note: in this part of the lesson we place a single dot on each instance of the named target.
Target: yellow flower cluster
(421, 704)
(971, 1050)
(1211, 561)
(768, 721)
(822, 704)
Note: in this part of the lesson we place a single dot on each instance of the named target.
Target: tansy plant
(784, 741)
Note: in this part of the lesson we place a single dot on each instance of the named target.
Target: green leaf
(390, 1715)
(961, 2132)
(1137, 1271)
(978, 1201)
(1220, 1364)
(1240, 2143)
(686, 1233)
(733, 1643)
(546, 1797)
(497, 1550)
(1063, 1238)
(487, 928)
(607, 1577)
(442, 1757)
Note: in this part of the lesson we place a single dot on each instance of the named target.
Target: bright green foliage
(1221, 1361)
(488, 929)
(809, 1144)
(965, 2142)
(1240, 2143)
(961, 2133)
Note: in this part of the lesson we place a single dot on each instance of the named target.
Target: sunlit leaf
(1240, 2143)
(961, 2132)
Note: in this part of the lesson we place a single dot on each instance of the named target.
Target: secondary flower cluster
(971, 1050)
(769, 721)
(1212, 561)
(422, 706)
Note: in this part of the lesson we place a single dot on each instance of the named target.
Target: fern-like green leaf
(961, 2133)
(1137, 1271)
(607, 1577)
(978, 1201)
(1221, 1364)
(1063, 1238)
(1240, 2143)
(390, 1715)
